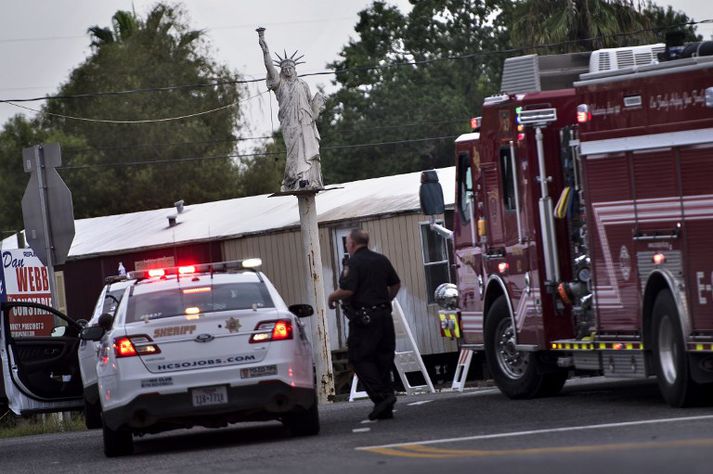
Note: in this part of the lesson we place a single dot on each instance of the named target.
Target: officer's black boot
(384, 408)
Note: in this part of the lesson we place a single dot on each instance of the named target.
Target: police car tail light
(280, 330)
(135, 345)
(123, 347)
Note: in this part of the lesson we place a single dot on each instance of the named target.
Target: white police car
(107, 302)
(202, 345)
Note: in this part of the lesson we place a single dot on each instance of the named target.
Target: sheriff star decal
(232, 324)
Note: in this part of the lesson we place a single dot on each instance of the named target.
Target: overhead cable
(357, 68)
(246, 155)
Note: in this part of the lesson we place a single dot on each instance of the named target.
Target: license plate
(258, 371)
(209, 396)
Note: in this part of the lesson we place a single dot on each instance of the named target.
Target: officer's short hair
(359, 236)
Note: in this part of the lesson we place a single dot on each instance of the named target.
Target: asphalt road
(594, 426)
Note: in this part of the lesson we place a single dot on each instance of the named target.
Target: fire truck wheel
(516, 373)
(670, 359)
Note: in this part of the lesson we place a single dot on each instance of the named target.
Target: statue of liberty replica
(298, 111)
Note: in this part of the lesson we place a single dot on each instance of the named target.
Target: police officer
(366, 289)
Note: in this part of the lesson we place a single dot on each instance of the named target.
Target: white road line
(363, 422)
(551, 430)
(472, 393)
(422, 402)
(360, 430)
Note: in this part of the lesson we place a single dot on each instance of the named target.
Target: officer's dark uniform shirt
(369, 275)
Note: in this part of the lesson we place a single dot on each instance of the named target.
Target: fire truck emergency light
(583, 113)
(538, 116)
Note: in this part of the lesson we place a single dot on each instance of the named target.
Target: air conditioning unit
(612, 59)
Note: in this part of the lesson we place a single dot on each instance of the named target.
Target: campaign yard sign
(24, 278)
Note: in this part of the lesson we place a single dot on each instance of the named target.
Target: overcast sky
(41, 41)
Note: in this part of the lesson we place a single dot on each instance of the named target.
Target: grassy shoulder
(12, 426)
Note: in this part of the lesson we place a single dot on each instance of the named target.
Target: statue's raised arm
(273, 78)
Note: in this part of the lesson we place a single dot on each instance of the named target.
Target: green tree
(586, 25)
(18, 133)
(263, 173)
(666, 20)
(124, 167)
(398, 86)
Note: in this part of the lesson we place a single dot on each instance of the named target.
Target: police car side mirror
(92, 333)
(301, 310)
(105, 321)
(431, 194)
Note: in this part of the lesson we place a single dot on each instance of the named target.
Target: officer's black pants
(371, 354)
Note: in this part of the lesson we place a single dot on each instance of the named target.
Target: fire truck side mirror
(431, 194)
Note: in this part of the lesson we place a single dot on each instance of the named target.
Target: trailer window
(435, 259)
(465, 187)
(508, 179)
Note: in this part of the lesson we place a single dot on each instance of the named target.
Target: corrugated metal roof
(248, 215)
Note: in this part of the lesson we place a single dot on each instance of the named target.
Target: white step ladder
(406, 361)
(464, 359)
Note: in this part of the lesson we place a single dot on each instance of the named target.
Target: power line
(246, 155)
(162, 145)
(77, 150)
(142, 121)
(215, 28)
(361, 68)
(41, 38)
(133, 91)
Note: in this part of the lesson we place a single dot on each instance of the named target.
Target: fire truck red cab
(583, 221)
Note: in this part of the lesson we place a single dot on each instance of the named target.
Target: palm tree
(124, 25)
(576, 25)
(159, 24)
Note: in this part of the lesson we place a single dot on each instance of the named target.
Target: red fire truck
(583, 222)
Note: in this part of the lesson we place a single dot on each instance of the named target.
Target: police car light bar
(536, 116)
(115, 279)
(215, 267)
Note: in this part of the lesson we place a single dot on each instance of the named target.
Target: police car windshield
(186, 301)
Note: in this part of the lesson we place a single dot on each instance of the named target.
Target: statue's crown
(288, 61)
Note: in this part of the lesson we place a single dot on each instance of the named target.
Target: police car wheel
(301, 422)
(670, 359)
(516, 373)
(118, 442)
(92, 415)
